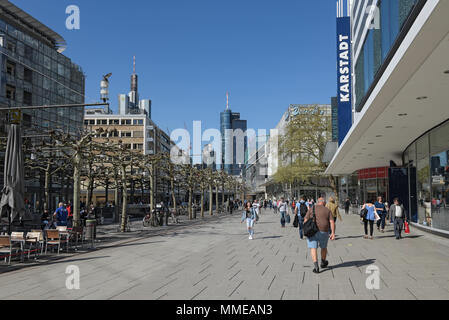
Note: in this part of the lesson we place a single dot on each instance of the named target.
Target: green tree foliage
(303, 146)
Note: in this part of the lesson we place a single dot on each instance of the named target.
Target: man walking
(301, 211)
(397, 211)
(325, 222)
(347, 206)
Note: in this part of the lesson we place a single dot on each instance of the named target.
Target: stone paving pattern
(216, 261)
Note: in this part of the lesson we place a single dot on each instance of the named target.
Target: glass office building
(233, 147)
(378, 46)
(34, 72)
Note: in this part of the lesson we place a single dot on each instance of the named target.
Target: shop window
(439, 170)
(423, 182)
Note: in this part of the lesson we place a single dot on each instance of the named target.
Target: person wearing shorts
(250, 216)
(325, 222)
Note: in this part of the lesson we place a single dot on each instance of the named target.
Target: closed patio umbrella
(12, 202)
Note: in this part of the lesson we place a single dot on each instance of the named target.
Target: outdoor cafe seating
(25, 244)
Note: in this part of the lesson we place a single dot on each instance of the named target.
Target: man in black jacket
(398, 213)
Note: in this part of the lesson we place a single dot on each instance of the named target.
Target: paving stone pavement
(217, 261)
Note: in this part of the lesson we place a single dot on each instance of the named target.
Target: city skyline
(241, 57)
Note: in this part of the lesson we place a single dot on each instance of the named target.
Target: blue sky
(266, 53)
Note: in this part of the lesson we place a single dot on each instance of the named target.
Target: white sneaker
(251, 238)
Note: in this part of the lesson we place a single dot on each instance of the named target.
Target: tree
(304, 143)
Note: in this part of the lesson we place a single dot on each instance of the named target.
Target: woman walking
(283, 211)
(250, 216)
(369, 218)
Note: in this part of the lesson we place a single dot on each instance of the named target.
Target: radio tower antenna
(134, 65)
(227, 100)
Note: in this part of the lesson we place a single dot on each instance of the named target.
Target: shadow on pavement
(45, 262)
(350, 264)
(348, 237)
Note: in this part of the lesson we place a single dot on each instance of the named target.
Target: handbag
(287, 218)
(310, 227)
(377, 218)
(296, 222)
(407, 227)
(364, 213)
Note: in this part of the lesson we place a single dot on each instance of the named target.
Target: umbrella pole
(9, 220)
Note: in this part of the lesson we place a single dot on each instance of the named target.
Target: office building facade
(234, 142)
(34, 72)
(400, 107)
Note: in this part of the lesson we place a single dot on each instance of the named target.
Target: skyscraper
(234, 140)
(130, 103)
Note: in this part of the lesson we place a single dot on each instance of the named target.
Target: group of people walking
(379, 211)
(323, 217)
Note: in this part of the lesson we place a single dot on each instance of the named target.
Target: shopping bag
(407, 228)
(377, 218)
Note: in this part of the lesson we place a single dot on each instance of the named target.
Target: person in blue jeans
(301, 211)
(369, 219)
(382, 212)
(283, 211)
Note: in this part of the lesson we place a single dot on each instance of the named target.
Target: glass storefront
(428, 159)
(379, 42)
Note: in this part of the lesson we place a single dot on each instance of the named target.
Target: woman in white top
(283, 211)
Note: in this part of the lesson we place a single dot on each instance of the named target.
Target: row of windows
(27, 45)
(123, 122)
(379, 41)
(122, 134)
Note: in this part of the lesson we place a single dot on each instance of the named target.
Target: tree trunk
(91, 189)
(106, 192)
(216, 198)
(172, 183)
(124, 200)
(47, 189)
(211, 200)
(76, 191)
(116, 203)
(202, 202)
(333, 184)
(152, 187)
(190, 204)
(223, 195)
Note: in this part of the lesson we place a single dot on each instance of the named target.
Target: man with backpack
(301, 211)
